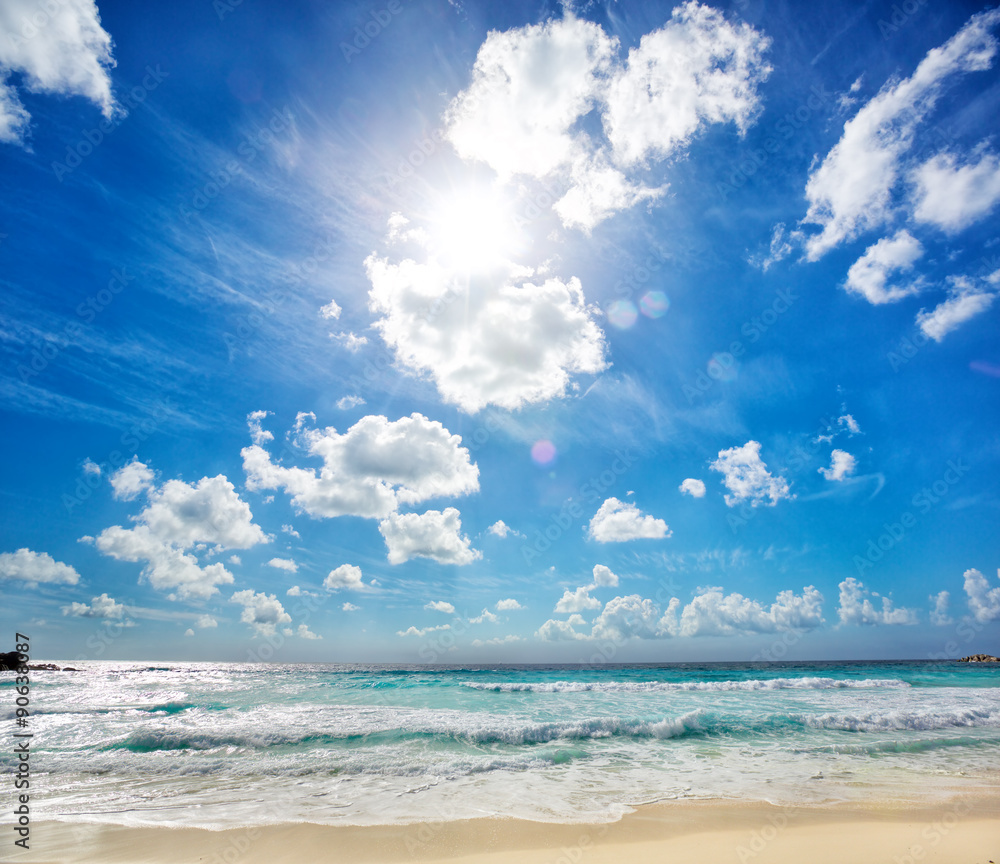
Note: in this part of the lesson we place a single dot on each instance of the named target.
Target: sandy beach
(962, 831)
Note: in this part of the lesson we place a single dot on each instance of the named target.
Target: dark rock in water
(44, 667)
(9, 661)
(979, 658)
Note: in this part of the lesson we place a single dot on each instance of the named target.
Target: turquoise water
(223, 744)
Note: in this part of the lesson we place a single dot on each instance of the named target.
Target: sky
(433, 331)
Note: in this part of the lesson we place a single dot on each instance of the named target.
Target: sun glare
(474, 230)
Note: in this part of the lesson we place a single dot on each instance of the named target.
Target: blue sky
(454, 332)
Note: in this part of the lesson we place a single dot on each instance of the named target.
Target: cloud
(346, 403)
(369, 470)
(347, 577)
(288, 529)
(178, 517)
(305, 633)
(508, 340)
(692, 487)
(953, 196)
(603, 577)
(350, 607)
(715, 613)
(711, 612)
(206, 622)
(508, 605)
(842, 465)
(850, 191)
(58, 48)
(129, 481)
(965, 300)
(294, 591)
(499, 640)
(286, 564)
(330, 311)
(531, 86)
(485, 615)
(434, 534)
(939, 614)
(577, 601)
(747, 478)
(440, 606)
(851, 424)
(695, 70)
(258, 434)
(617, 521)
(413, 631)
(501, 529)
(870, 273)
(857, 608)
(100, 607)
(263, 612)
(625, 617)
(91, 467)
(562, 631)
(351, 341)
(984, 602)
(36, 567)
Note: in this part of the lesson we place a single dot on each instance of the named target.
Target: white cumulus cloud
(966, 300)
(369, 470)
(694, 488)
(440, 606)
(870, 274)
(577, 601)
(180, 517)
(939, 614)
(347, 577)
(435, 534)
(618, 521)
(286, 564)
(851, 189)
(263, 612)
(984, 602)
(36, 567)
(842, 465)
(100, 607)
(746, 476)
(856, 606)
(129, 481)
(508, 605)
(59, 48)
(951, 195)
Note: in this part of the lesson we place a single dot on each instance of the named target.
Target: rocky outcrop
(9, 661)
(979, 658)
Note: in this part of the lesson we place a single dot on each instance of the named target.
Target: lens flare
(654, 304)
(543, 452)
(622, 314)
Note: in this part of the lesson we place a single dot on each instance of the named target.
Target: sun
(474, 229)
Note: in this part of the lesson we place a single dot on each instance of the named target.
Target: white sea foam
(686, 686)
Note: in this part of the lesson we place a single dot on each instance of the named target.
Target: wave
(668, 686)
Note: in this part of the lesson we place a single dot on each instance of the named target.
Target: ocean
(218, 745)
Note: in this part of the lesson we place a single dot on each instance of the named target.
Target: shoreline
(963, 829)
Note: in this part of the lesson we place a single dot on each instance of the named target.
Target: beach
(965, 830)
(216, 762)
